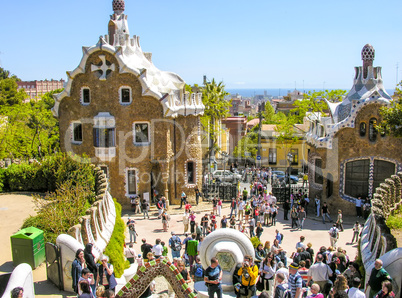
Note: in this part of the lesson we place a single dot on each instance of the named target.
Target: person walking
(175, 245)
(294, 216)
(213, 277)
(333, 235)
(325, 213)
(302, 217)
(356, 232)
(233, 208)
(317, 203)
(131, 230)
(145, 208)
(339, 221)
(358, 203)
(286, 208)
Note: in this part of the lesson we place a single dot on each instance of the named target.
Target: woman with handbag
(267, 274)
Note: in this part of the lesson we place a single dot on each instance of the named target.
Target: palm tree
(216, 108)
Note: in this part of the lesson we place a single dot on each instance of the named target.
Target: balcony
(105, 154)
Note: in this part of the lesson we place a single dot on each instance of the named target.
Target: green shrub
(115, 247)
(2, 179)
(60, 210)
(394, 221)
(48, 174)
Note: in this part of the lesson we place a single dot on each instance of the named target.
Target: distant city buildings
(35, 89)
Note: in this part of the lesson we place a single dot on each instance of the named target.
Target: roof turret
(118, 6)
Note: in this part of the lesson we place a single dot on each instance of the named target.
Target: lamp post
(290, 158)
(224, 155)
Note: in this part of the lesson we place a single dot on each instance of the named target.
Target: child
(165, 249)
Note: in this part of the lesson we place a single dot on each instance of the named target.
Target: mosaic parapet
(95, 227)
(376, 241)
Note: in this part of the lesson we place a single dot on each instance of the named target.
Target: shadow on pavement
(46, 288)
(7, 267)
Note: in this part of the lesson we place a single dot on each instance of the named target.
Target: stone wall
(348, 144)
(157, 157)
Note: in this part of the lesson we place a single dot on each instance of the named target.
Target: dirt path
(14, 208)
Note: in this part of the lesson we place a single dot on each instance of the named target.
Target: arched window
(363, 129)
(372, 130)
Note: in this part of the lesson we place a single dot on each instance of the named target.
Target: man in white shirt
(319, 272)
(354, 292)
(157, 249)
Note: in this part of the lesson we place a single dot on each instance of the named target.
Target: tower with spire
(348, 157)
(131, 118)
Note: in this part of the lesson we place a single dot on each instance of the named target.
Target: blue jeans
(175, 254)
(145, 212)
(231, 212)
(212, 289)
(323, 217)
(133, 236)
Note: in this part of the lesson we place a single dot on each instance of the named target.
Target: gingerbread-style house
(349, 158)
(135, 121)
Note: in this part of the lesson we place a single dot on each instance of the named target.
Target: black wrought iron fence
(225, 191)
(282, 193)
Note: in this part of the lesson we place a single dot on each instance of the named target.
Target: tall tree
(392, 115)
(216, 108)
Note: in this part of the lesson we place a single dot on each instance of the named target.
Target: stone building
(133, 120)
(348, 157)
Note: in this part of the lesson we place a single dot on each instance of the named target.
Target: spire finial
(368, 54)
(118, 6)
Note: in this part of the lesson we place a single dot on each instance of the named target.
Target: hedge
(115, 248)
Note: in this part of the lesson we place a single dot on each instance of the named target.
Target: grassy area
(394, 222)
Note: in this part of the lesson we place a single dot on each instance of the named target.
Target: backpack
(199, 271)
(334, 233)
(176, 244)
(281, 236)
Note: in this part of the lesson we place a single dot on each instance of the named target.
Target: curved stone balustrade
(376, 239)
(95, 227)
(21, 277)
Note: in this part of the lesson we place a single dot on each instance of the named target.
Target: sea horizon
(251, 92)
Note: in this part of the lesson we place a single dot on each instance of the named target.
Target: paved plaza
(15, 208)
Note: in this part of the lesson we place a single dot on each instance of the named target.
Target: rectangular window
(357, 178)
(86, 95)
(125, 95)
(318, 172)
(382, 170)
(272, 156)
(295, 153)
(141, 133)
(131, 182)
(104, 137)
(190, 172)
(77, 132)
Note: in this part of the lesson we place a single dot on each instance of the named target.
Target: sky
(246, 44)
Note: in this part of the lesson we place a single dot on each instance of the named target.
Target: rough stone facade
(92, 113)
(354, 156)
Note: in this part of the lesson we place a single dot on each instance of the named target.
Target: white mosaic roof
(166, 86)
